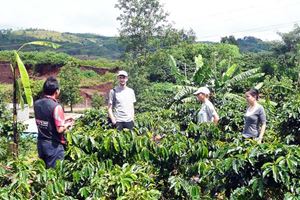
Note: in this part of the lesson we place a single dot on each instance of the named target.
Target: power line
(256, 29)
(248, 8)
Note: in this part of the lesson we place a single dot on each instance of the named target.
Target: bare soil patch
(47, 70)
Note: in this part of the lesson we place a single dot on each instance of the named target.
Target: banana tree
(209, 76)
(22, 86)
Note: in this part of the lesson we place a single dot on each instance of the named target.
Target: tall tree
(69, 78)
(141, 21)
(229, 40)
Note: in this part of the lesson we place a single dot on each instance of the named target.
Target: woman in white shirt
(207, 112)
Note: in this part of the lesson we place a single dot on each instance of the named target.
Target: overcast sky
(210, 19)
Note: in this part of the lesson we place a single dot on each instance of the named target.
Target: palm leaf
(243, 76)
(24, 79)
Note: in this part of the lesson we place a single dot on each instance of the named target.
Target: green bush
(98, 101)
(155, 97)
(36, 88)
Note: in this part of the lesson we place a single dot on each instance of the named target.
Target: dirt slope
(6, 77)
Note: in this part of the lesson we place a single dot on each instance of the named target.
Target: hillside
(248, 44)
(91, 46)
(252, 44)
(76, 44)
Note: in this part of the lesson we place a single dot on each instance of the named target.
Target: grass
(97, 79)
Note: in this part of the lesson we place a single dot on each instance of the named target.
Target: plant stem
(15, 128)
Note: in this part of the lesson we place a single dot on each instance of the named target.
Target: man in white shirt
(120, 103)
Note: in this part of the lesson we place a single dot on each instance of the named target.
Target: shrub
(98, 101)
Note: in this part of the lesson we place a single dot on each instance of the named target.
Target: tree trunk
(14, 149)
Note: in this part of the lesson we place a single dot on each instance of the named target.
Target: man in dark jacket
(51, 124)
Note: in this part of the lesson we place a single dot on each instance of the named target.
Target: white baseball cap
(203, 90)
(122, 73)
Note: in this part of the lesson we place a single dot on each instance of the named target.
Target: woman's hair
(254, 92)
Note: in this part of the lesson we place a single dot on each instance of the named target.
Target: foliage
(101, 62)
(252, 44)
(6, 129)
(5, 93)
(289, 116)
(69, 77)
(229, 40)
(36, 88)
(161, 69)
(104, 163)
(5, 118)
(138, 76)
(93, 118)
(141, 21)
(155, 97)
(168, 155)
(89, 46)
(88, 74)
(97, 101)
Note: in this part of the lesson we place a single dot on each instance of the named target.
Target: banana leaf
(25, 79)
(243, 76)
(174, 70)
(19, 93)
(41, 43)
(230, 71)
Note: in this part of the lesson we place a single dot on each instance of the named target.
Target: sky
(209, 19)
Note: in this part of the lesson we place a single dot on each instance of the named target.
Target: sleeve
(110, 97)
(262, 115)
(211, 109)
(59, 116)
(133, 97)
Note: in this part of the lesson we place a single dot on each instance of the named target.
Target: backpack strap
(114, 98)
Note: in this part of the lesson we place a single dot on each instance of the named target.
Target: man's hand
(258, 140)
(69, 122)
(113, 120)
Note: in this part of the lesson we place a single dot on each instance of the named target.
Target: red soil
(6, 77)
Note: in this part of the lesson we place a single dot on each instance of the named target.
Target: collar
(50, 97)
(122, 87)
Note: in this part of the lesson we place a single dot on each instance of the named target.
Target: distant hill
(248, 44)
(90, 46)
(252, 44)
(76, 44)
